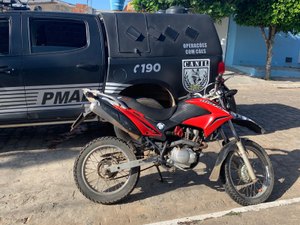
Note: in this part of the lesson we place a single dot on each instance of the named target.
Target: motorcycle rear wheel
(94, 181)
(238, 183)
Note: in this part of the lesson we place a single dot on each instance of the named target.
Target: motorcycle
(108, 168)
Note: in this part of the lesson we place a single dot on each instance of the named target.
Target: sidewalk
(37, 187)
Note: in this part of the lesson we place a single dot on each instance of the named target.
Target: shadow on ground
(50, 137)
(30, 146)
(286, 169)
(285, 163)
(272, 117)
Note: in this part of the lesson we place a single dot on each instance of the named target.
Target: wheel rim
(240, 177)
(95, 175)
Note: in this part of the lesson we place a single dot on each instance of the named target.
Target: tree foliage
(286, 15)
(282, 14)
(271, 16)
(217, 9)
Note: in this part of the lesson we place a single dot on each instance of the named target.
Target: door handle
(6, 70)
(88, 67)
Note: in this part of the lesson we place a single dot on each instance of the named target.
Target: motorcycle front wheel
(238, 183)
(92, 178)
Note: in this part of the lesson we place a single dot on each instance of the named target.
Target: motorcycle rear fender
(111, 115)
(87, 112)
(229, 147)
(247, 122)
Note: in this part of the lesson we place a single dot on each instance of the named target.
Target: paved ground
(36, 185)
(287, 215)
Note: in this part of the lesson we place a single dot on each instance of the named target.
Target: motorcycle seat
(152, 113)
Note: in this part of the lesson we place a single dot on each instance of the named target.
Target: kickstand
(160, 175)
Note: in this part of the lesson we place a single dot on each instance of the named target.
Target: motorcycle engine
(183, 157)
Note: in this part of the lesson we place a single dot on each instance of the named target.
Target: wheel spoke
(97, 176)
(96, 187)
(239, 185)
(239, 175)
(97, 161)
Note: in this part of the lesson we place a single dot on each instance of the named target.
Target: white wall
(222, 29)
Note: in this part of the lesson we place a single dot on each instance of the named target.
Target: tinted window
(57, 35)
(4, 37)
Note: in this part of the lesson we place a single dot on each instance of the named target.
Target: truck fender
(229, 147)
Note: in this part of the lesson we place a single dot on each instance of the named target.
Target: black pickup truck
(47, 58)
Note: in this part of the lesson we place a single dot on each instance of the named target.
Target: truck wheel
(150, 102)
(94, 181)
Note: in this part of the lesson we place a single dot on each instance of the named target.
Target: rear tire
(94, 181)
(238, 184)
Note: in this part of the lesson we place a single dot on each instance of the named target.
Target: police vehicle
(46, 58)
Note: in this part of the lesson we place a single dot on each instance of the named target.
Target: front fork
(242, 152)
(241, 147)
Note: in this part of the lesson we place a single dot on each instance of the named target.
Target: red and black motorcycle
(108, 168)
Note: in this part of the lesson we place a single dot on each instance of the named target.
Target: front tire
(238, 183)
(94, 181)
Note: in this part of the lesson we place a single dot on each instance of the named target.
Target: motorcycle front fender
(247, 122)
(229, 147)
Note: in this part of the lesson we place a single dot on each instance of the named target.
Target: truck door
(12, 93)
(63, 54)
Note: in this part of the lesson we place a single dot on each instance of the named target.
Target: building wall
(51, 5)
(246, 47)
(222, 30)
(60, 6)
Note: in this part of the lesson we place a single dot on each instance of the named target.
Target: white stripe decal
(11, 96)
(12, 93)
(37, 87)
(114, 88)
(14, 109)
(8, 103)
(13, 99)
(111, 84)
(54, 107)
(23, 108)
(21, 88)
(40, 87)
(112, 92)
